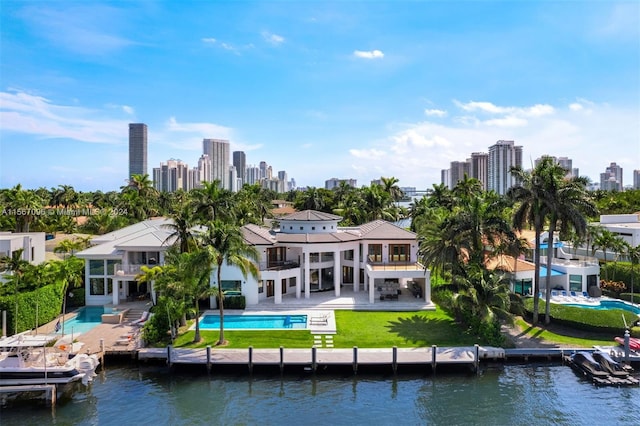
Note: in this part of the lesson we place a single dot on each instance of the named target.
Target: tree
(225, 243)
(390, 187)
(607, 240)
(71, 272)
(531, 209)
(182, 227)
(212, 202)
(634, 257)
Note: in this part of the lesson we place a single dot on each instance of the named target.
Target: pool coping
(314, 328)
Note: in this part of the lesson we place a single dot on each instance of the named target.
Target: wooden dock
(314, 358)
(50, 391)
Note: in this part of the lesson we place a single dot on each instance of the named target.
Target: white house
(31, 243)
(307, 254)
(626, 226)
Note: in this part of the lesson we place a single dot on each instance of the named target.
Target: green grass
(547, 336)
(355, 328)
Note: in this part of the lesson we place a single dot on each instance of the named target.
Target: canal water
(531, 394)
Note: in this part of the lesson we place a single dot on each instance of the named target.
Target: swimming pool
(254, 322)
(609, 304)
(87, 318)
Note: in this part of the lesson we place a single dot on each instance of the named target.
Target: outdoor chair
(319, 319)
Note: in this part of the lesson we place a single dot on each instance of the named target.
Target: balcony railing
(581, 261)
(128, 269)
(396, 266)
(278, 266)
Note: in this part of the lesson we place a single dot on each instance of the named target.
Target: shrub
(613, 287)
(635, 332)
(627, 297)
(235, 302)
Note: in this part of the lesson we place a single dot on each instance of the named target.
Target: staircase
(132, 314)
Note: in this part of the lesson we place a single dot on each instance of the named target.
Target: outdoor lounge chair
(319, 319)
(143, 318)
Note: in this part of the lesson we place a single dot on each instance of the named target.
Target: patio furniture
(319, 319)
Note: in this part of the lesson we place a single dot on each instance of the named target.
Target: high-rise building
(335, 182)
(240, 163)
(172, 176)
(253, 175)
(478, 167)
(218, 152)
(137, 149)
(636, 179)
(204, 170)
(457, 171)
(611, 179)
(263, 170)
(502, 156)
(564, 162)
(445, 177)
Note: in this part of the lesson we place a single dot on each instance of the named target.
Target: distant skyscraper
(445, 177)
(611, 179)
(240, 163)
(172, 176)
(137, 149)
(636, 179)
(335, 182)
(502, 156)
(479, 167)
(218, 152)
(204, 170)
(457, 171)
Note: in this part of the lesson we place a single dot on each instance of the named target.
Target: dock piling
(101, 351)
(394, 362)
(281, 359)
(250, 359)
(169, 355)
(208, 358)
(314, 358)
(434, 352)
(355, 360)
(477, 358)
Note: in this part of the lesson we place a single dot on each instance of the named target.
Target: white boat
(28, 361)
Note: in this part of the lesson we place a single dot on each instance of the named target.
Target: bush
(235, 302)
(627, 297)
(635, 332)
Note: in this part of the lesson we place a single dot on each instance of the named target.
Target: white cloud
(209, 40)
(368, 54)
(273, 39)
(415, 153)
(435, 112)
(128, 109)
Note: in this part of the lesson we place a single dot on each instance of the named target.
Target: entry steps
(318, 340)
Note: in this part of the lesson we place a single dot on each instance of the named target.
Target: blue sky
(319, 89)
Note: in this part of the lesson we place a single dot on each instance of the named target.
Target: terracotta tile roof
(258, 235)
(382, 230)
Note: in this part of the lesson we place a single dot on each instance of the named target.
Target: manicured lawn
(588, 341)
(355, 328)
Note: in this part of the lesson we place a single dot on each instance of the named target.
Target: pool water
(609, 304)
(87, 318)
(254, 322)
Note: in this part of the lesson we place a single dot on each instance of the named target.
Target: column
(337, 273)
(277, 296)
(427, 287)
(356, 268)
(115, 295)
(372, 288)
(307, 275)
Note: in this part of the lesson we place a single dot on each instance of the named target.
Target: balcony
(122, 270)
(580, 261)
(396, 266)
(278, 266)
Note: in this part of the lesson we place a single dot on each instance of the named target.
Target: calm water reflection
(513, 395)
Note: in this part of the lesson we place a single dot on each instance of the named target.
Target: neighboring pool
(254, 322)
(87, 318)
(607, 305)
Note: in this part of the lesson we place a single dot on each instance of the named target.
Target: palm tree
(390, 187)
(149, 275)
(212, 202)
(531, 209)
(225, 243)
(607, 240)
(485, 295)
(182, 227)
(71, 272)
(568, 203)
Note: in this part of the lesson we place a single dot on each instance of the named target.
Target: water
(609, 304)
(246, 322)
(87, 318)
(513, 395)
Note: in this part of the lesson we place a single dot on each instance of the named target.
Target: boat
(615, 369)
(25, 361)
(634, 343)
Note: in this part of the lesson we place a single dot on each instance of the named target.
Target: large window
(231, 285)
(111, 266)
(96, 267)
(96, 286)
(575, 282)
(348, 255)
(399, 252)
(375, 252)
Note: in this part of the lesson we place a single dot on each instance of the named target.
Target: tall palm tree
(390, 187)
(213, 202)
(607, 240)
(182, 227)
(531, 209)
(225, 243)
(568, 203)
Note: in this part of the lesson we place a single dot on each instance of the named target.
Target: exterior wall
(32, 243)
(308, 226)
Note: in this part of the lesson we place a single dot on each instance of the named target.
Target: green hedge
(627, 297)
(599, 321)
(34, 308)
(621, 271)
(235, 302)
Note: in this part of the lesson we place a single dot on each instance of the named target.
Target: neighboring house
(626, 226)
(115, 259)
(569, 272)
(31, 243)
(307, 253)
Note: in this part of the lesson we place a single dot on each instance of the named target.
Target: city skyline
(316, 89)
